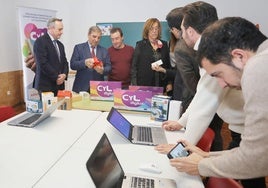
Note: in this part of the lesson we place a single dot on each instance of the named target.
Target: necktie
(57, 48)
(92, 51)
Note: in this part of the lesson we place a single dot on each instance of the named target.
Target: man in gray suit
(90, 60)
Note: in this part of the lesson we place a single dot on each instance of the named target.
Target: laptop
(32, 119)
(105, 170)
(136, 134)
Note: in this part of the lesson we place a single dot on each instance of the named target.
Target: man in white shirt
(201, 111)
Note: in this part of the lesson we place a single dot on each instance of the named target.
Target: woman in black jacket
(147, 51)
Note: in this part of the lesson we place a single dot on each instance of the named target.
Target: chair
(206, 140)
(6, 112)
(214, 182)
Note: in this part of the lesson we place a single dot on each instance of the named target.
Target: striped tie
(92, 51)
(57, 48)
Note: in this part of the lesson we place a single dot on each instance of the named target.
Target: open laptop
(106, 171)
(136, 134)
(32, 119)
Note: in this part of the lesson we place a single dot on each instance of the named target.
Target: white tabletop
(71, 170)
(27, 154)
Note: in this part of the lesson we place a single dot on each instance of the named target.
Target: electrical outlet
(8, 93)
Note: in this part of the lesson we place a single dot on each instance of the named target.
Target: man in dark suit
(51, 63)
(84, 59)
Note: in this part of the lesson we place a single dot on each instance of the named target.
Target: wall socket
(8, 93)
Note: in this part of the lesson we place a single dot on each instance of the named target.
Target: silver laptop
(106, 171)
(32, 119)
(136, 134)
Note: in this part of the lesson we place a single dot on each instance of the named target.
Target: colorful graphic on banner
(31, 33)
(32, 24)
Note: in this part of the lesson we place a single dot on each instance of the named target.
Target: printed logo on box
(103, 90)
(34, 106)
(132, 100)
(155, 90)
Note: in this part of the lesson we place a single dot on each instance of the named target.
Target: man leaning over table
(234, 51)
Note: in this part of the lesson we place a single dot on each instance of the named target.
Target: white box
(160, 107)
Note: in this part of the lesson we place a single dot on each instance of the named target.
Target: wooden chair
(206, 140)
(6, 112)
(214, 182)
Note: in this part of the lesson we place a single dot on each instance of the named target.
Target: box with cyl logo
(103, 90)
(155, 90)
(132, 100)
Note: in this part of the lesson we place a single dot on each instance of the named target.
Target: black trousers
(216, 125)
(248, 183)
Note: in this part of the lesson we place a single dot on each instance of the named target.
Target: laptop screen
(104, 167)
(119, 122)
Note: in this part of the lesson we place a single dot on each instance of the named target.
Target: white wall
(79, 15)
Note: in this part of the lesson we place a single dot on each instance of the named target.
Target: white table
(27, 154)
(71, 170)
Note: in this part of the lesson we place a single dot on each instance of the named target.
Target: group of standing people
(225, 48)
(120, 62)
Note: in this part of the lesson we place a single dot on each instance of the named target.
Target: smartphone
(178, 151)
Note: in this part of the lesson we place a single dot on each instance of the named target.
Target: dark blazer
(48, 65)
(84, 74)
(175, 76)
(143, 57)
(188, 67)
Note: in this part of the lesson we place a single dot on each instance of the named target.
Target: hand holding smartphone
(178, 151)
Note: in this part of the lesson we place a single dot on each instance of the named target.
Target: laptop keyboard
(137, 182)
(145, 134)
(30, 119)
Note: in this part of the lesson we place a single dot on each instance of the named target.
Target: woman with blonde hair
(147, 51)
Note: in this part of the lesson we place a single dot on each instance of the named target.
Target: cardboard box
(132, 100)
(103, 90)
(39, 102)
(67, 96)
(160, 107)
(34, 106)
(34, 103)
(76, 97)
(85, 95)
(47, 99)
(155, 90)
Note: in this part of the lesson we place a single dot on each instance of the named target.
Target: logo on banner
(31, 32)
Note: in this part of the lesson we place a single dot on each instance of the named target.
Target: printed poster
(32, 24)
